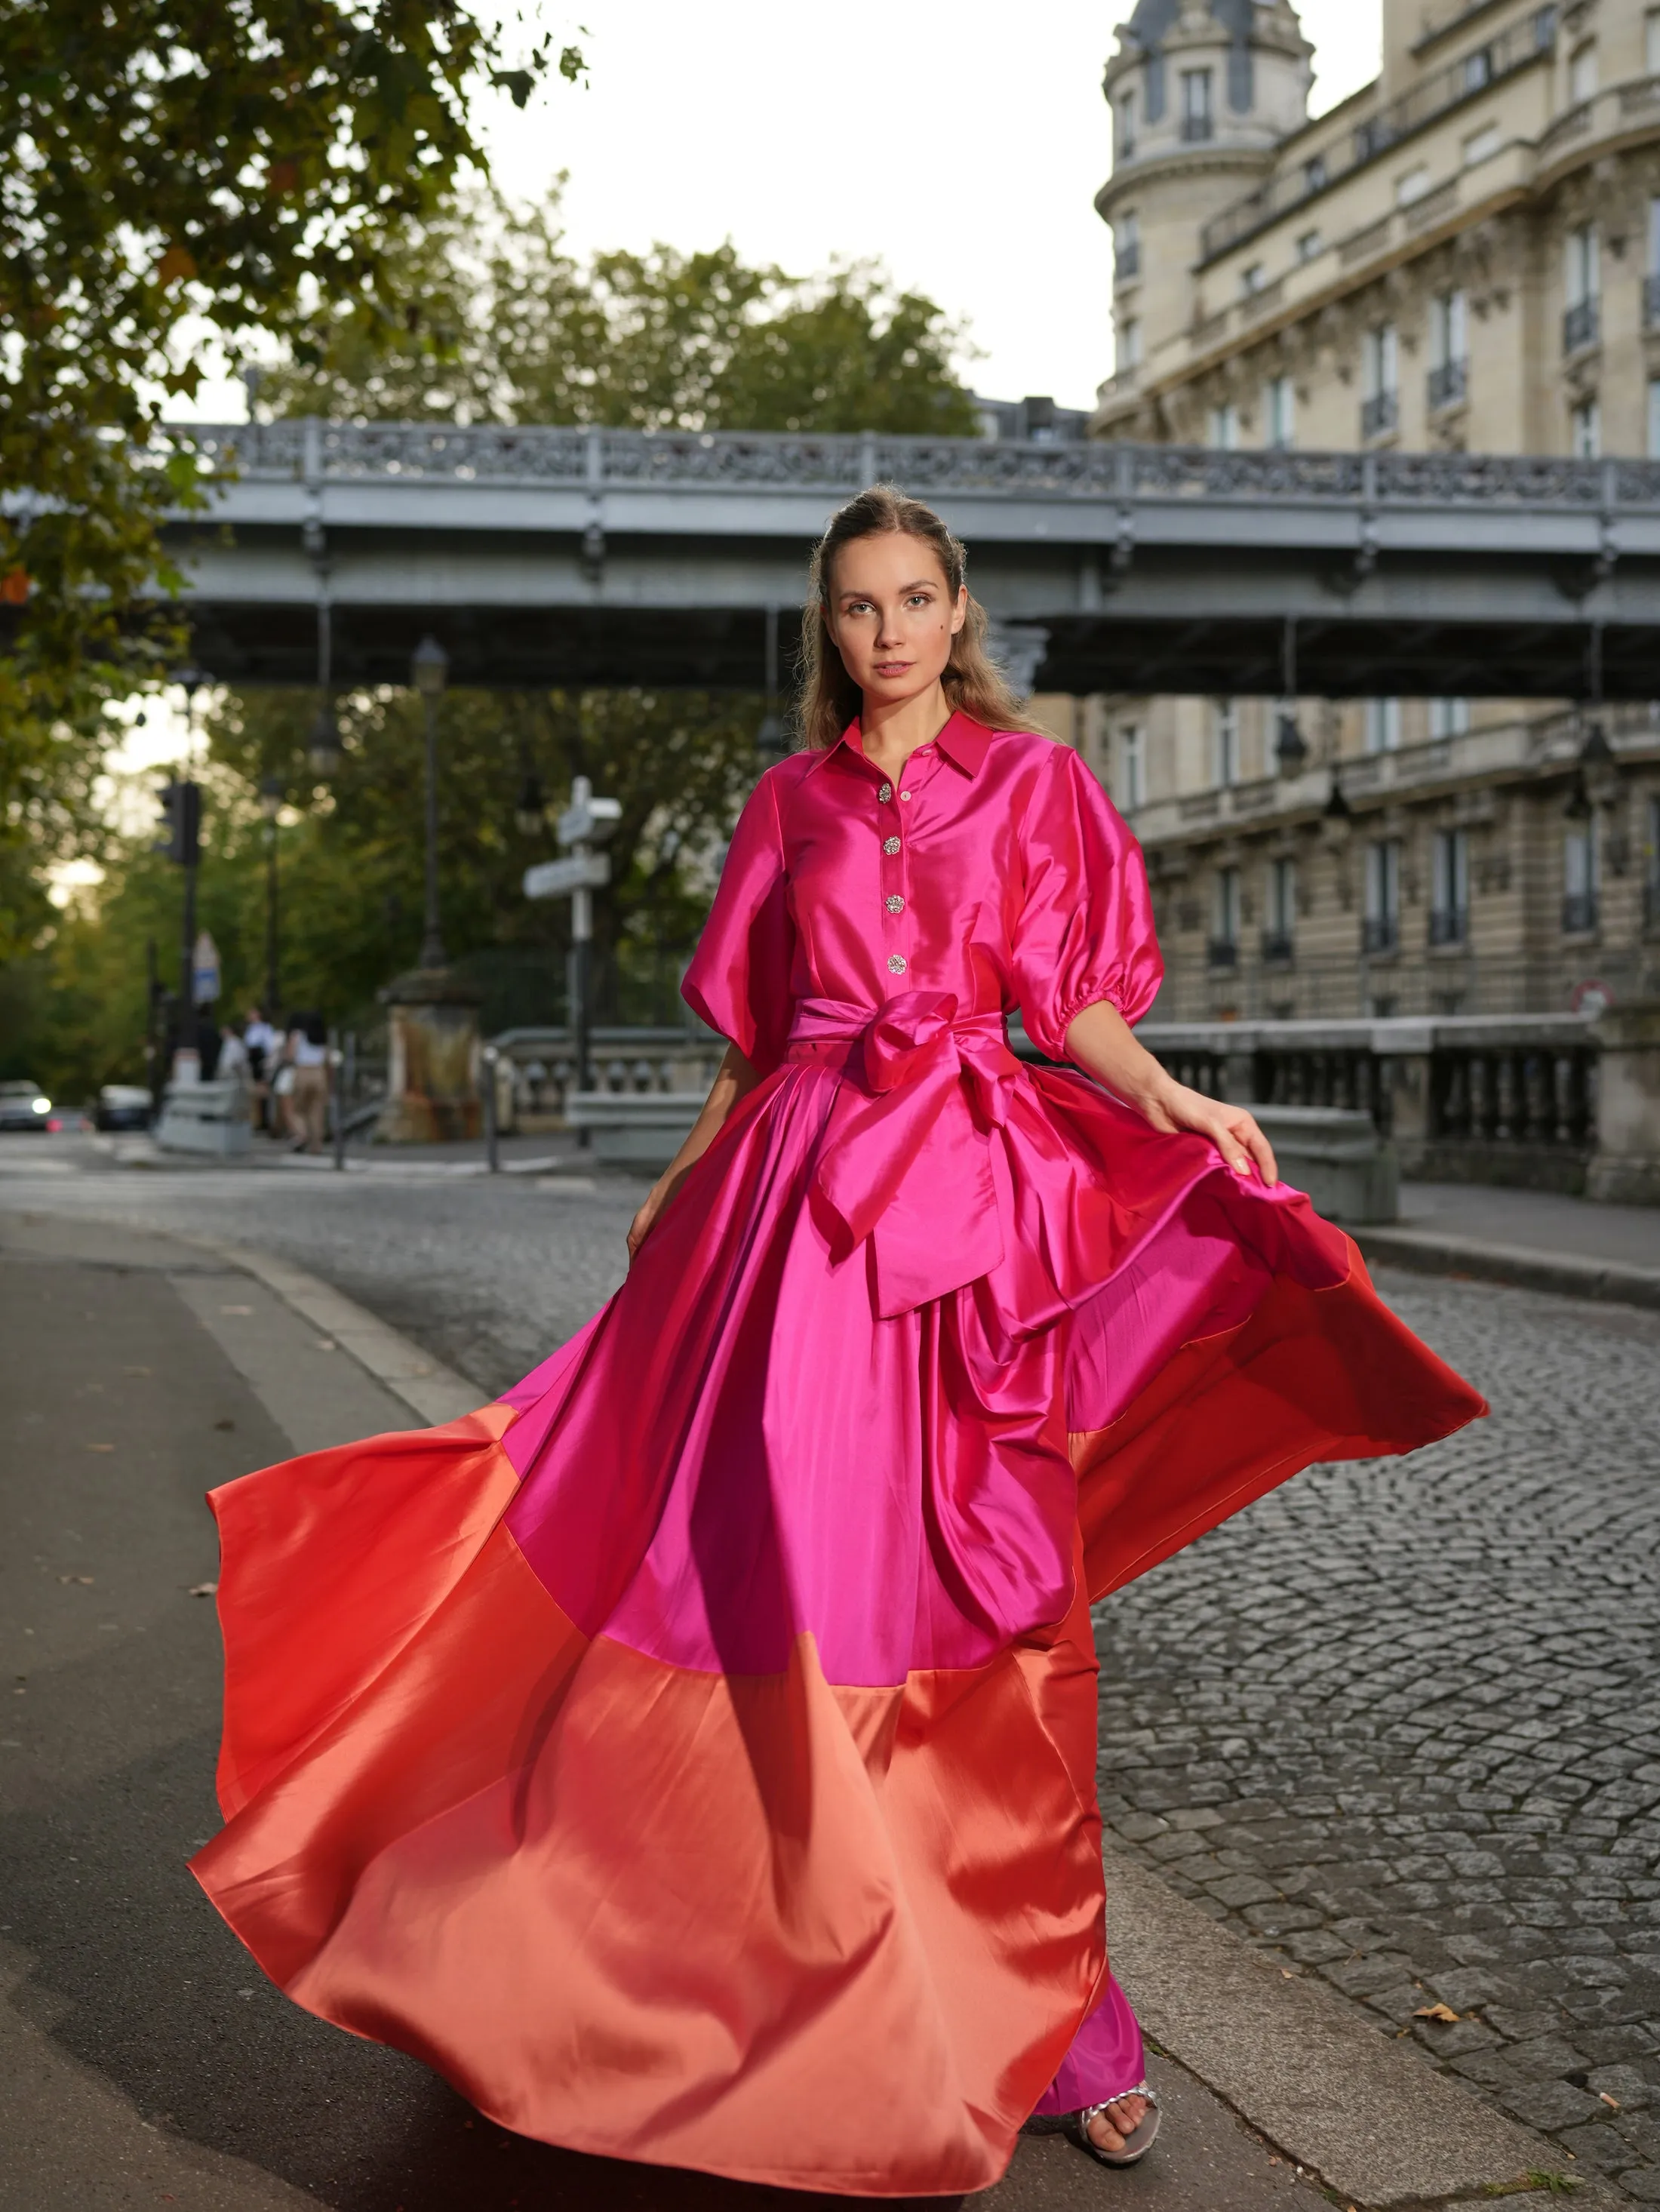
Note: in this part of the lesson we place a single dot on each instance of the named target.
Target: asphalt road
(143, 2059)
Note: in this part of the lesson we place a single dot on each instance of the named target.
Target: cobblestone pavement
(1400, 1722)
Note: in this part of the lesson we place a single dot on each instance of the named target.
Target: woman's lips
(892, 667)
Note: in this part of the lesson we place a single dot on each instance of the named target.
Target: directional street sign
(559, 879)
(587, 819)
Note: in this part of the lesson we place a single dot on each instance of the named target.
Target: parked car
(23, 1106)
(124, 1106)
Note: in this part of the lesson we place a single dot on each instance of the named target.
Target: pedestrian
(692, 1755)
(308, 1097)
(233, 1064)
(262, 1041)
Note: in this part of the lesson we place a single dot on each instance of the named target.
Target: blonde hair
(830, 699)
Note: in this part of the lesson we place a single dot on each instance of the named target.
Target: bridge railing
(1566, 1103)
(304, 449)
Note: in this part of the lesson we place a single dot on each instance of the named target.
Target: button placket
(893, 873)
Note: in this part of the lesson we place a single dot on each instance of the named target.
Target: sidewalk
(1534, 1239)
(144, 2060)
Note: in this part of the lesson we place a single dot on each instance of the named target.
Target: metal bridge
(546, 556)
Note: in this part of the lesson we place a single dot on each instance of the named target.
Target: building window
(1130, 344)
(1280, 413)
(1414, 186)
(1198, 105)
(1582, 322)
(1226, 732)
(1309, 245)
(1383, 913)
(1478, 69)
(1279, 937)
(1449, 912)
(1380, 409)
(1222, 431)
(1581, 877)
(1449, 350)
(1383, 726)
(1253, 279)
(1651, 42)
(1132, 766)
(1315, 175)
(1582, 73)
(1449, 718)
(1127, 247)
(1586, 430)
(1126, 132)
(1481, 145)
(1225, 933)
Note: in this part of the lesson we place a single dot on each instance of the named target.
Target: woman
(693, 1756)
(307, 1053)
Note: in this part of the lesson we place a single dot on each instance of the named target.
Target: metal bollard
(492, 1135)
(337, 1100)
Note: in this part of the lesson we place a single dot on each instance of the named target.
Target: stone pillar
(433, 1060)
(1625, 1169)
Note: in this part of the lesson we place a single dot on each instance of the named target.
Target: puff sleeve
(739, 978)
(1085, 929)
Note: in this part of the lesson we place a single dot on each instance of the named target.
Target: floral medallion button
(905, 794)
(896, 904)
(890, 845)
(896, 962)
(886, 794)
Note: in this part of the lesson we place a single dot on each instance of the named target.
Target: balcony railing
(1381, 413)
(1579, 913)
(1518, 48)
(1279, 948)
(1449, 926)
(1223, 953)
(1449, 385)
(1196, 129)
(1127, 260)
(1582, 325)
(1380, 934)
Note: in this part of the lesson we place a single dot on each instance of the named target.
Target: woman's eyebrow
(923, 584)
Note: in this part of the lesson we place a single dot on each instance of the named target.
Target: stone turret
(1202, 92)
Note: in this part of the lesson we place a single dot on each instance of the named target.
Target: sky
(960, 145)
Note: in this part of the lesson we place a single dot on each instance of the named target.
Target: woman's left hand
(1232, 1129)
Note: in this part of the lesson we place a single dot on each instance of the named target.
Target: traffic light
(181, 822)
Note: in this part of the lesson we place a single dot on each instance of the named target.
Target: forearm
(1101, 1043)
(736, 1078)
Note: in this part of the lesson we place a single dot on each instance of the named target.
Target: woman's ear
(959, 612)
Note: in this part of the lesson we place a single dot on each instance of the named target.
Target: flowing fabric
(693, 1755)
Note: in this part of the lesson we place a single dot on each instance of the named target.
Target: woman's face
(892, 616)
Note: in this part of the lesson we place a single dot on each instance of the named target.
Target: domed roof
(1153, 18)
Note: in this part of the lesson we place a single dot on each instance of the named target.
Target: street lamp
(323, 748)
(530, 808)
(270, 805)
(429, 672)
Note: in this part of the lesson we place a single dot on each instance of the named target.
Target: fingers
(1242, 1145)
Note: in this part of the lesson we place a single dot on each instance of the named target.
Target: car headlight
(41, 1105)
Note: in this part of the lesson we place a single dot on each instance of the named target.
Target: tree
(499, 323)
(175, 179)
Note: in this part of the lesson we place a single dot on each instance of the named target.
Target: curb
(435, 1394)
(1517, 1265)
(1373, 2119)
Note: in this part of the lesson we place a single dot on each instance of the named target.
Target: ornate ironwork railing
(1279, 948)
(311, 452)
(1579, 913)
(1381, 413)
(1449, 384)
(1223, 953)
(1582, 325)
(1449, 925)
(1380, 934)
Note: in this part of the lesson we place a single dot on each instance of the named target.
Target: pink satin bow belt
(906, 1160)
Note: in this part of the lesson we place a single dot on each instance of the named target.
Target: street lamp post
(191, 681)
(270, 805)
(430, 670)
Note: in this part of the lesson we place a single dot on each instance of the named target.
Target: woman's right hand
(640, 1228)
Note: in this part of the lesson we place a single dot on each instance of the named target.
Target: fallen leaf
(1613, 2103)
(101, 1447)
(1435, 2012)
(236, 1309)
(87, 1579)
(325, 1343)
(224, 1425)
(203, 1590)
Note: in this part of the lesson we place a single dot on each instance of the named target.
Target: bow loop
(911, 1137)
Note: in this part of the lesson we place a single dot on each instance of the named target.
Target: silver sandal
(1136, 2143)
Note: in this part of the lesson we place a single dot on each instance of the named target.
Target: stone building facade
(1466, 255)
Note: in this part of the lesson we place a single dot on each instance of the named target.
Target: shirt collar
(963, 741)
